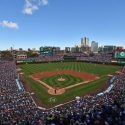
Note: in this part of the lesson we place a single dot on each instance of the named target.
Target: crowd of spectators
(45, 58)
(102, 58)
(18, 108)
(78, 54)
(48, 58)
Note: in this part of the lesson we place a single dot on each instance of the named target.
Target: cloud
(33, 5)
(45, 2)
(9, 24)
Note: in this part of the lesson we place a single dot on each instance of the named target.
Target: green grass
(69, 80)
(99, 69)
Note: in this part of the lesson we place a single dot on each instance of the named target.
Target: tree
(6, 55)
(31, 54)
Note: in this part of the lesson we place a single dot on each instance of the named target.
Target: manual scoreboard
(46, 51)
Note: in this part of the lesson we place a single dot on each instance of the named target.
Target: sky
(34, 23)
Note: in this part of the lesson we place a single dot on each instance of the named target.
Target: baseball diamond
(80, 78)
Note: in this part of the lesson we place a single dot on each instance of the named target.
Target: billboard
(119, 55)
(24, 61)
(28, 61)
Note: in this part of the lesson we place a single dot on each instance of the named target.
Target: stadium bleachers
(102, 58)
(18, 108)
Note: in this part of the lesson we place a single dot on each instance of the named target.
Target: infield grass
(54, 82)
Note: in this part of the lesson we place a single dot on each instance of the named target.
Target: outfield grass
(99, 69)
(69, 80)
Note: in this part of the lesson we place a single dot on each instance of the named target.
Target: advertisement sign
(120, 54)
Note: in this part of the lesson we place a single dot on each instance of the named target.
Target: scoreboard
(46, 51)
(120, 55)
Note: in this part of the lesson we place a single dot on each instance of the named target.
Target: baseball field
(56, 83)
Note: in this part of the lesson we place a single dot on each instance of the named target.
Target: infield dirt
(82, 75)
(87, 77)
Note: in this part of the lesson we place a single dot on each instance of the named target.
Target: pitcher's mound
(56, 91)
(61, 79)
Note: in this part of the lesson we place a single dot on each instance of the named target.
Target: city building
(21, 56)
(20, 49)
(67, 49)
(18, 55)
(85, 42)
(73, 49)
(0, 54)
(85, 49)
(100, 49)
(109, 49)
(55, 49)
(94, 47)
(85, 45)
